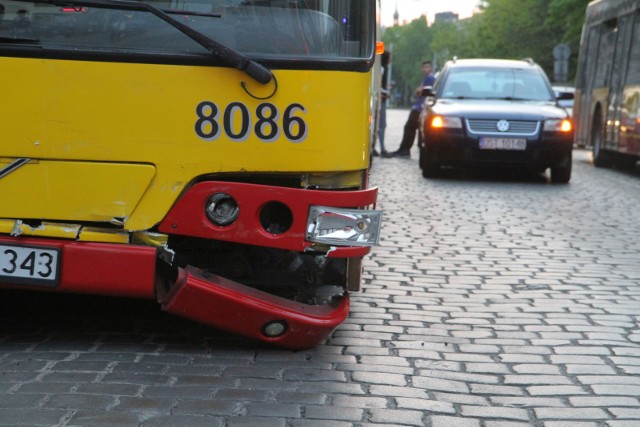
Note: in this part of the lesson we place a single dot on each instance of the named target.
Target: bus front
(212, 154)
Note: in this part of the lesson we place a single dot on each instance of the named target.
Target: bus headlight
(343, 227)
(222, 209)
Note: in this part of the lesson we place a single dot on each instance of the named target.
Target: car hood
(495, 108)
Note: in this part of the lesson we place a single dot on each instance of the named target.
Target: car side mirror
(565, 96)
(428, 91)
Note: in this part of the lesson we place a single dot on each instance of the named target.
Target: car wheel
(597, 141)
(561, 174)
(430, 168)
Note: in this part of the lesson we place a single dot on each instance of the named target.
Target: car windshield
(496, 83)
(271, 29)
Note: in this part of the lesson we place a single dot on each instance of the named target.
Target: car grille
(516, 127)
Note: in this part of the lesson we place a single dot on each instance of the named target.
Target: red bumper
(216, 301)
(129, 271)
(188, 216)
(98, 268)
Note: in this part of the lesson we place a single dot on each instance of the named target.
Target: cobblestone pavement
(492, 301)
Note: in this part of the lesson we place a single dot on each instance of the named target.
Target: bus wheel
(597, 141)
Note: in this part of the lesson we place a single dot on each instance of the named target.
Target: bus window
(605, 54)
(592, 49)
(633, 70)
(618, 65)
(322, 30)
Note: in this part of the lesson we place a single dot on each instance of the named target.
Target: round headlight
(222, 209)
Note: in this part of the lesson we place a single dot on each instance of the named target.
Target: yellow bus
(210, 154)
(607, 98)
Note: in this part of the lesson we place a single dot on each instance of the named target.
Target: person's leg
(413, 123)
(409, 135)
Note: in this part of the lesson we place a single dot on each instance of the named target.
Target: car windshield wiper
(512, 98)
(228, 55)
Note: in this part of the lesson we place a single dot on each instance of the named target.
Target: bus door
(584, 102)
(616, 83)
(601, 77)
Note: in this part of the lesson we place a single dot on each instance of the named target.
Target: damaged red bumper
(124, 270)
(187, 217)
(228, 305)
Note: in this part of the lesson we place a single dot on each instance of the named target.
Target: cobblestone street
(492, 301)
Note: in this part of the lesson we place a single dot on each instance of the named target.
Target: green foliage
(504, 29)
(516, 30)
(410, 46)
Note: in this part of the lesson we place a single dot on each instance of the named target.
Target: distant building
(446, 17)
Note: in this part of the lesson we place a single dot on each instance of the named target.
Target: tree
(516, 30)
(410, 45)
(453, 40)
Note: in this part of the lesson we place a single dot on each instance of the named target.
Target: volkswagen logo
(502, 125)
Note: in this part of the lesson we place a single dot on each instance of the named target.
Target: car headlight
(558, 125)
(440, 122)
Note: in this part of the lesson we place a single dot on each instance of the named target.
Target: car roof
(490, 62)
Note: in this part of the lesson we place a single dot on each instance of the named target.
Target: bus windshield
(319, 30)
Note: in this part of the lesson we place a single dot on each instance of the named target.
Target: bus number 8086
(237, 122)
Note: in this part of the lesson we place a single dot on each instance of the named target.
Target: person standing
(413, 122)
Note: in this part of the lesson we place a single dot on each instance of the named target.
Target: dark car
(495, 113)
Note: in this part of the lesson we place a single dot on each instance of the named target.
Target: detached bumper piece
(222, 303)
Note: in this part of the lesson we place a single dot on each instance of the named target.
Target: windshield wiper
(512, 98)
(228, 55)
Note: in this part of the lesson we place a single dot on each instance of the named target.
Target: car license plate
(29, 265)
(503, 144)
